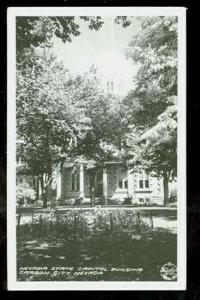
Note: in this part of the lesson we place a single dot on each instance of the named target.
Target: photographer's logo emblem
(168, 271)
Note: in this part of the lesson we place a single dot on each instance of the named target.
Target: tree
(52, 108)
(103, 140)
(156, 149)
(154, 49)
(37, 31)
(63, 117)
(152, 105)
(161, 147)
(49, 116)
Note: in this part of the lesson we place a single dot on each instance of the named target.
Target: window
(112, 86)
(147, 183)
(108, 86)
(123, 182)
(126, 184)
(75, 182)
(143, 181)
(141, 184)
(78, 182)
(120, 184)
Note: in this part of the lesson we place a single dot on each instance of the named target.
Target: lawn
(95, 244)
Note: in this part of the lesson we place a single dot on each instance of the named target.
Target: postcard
(96, 148)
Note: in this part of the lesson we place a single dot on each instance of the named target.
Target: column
(130, 183)
(105, 185)
(58, 185)
(39, 188)
(82, 181)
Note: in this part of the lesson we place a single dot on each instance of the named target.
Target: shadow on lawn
(106, 241)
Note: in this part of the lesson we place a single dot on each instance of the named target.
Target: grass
(96, 238)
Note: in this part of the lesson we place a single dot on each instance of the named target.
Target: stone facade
(113, 183)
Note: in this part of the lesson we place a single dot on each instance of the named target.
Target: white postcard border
(13, 284)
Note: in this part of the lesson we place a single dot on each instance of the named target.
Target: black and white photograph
(96, 148)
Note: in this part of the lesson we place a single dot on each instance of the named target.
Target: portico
(110, 182)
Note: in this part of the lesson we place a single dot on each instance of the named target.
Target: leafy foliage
(63, 117)
(37, 31)
(103, 141)
(155, 149)
(58, 116)
(48, 118)
(151, 105)
(34, 31)
(25, 194)
(154, 49)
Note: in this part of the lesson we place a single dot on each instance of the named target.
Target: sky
(105, 49)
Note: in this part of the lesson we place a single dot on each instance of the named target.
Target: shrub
(127, 200)
(25, 195)
(173, 196)
(115, 201)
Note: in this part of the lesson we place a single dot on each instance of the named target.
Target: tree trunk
(53, 198)
(49, 191)
(166, 189)
(37, 190)
(44, 199)
(44, 193)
